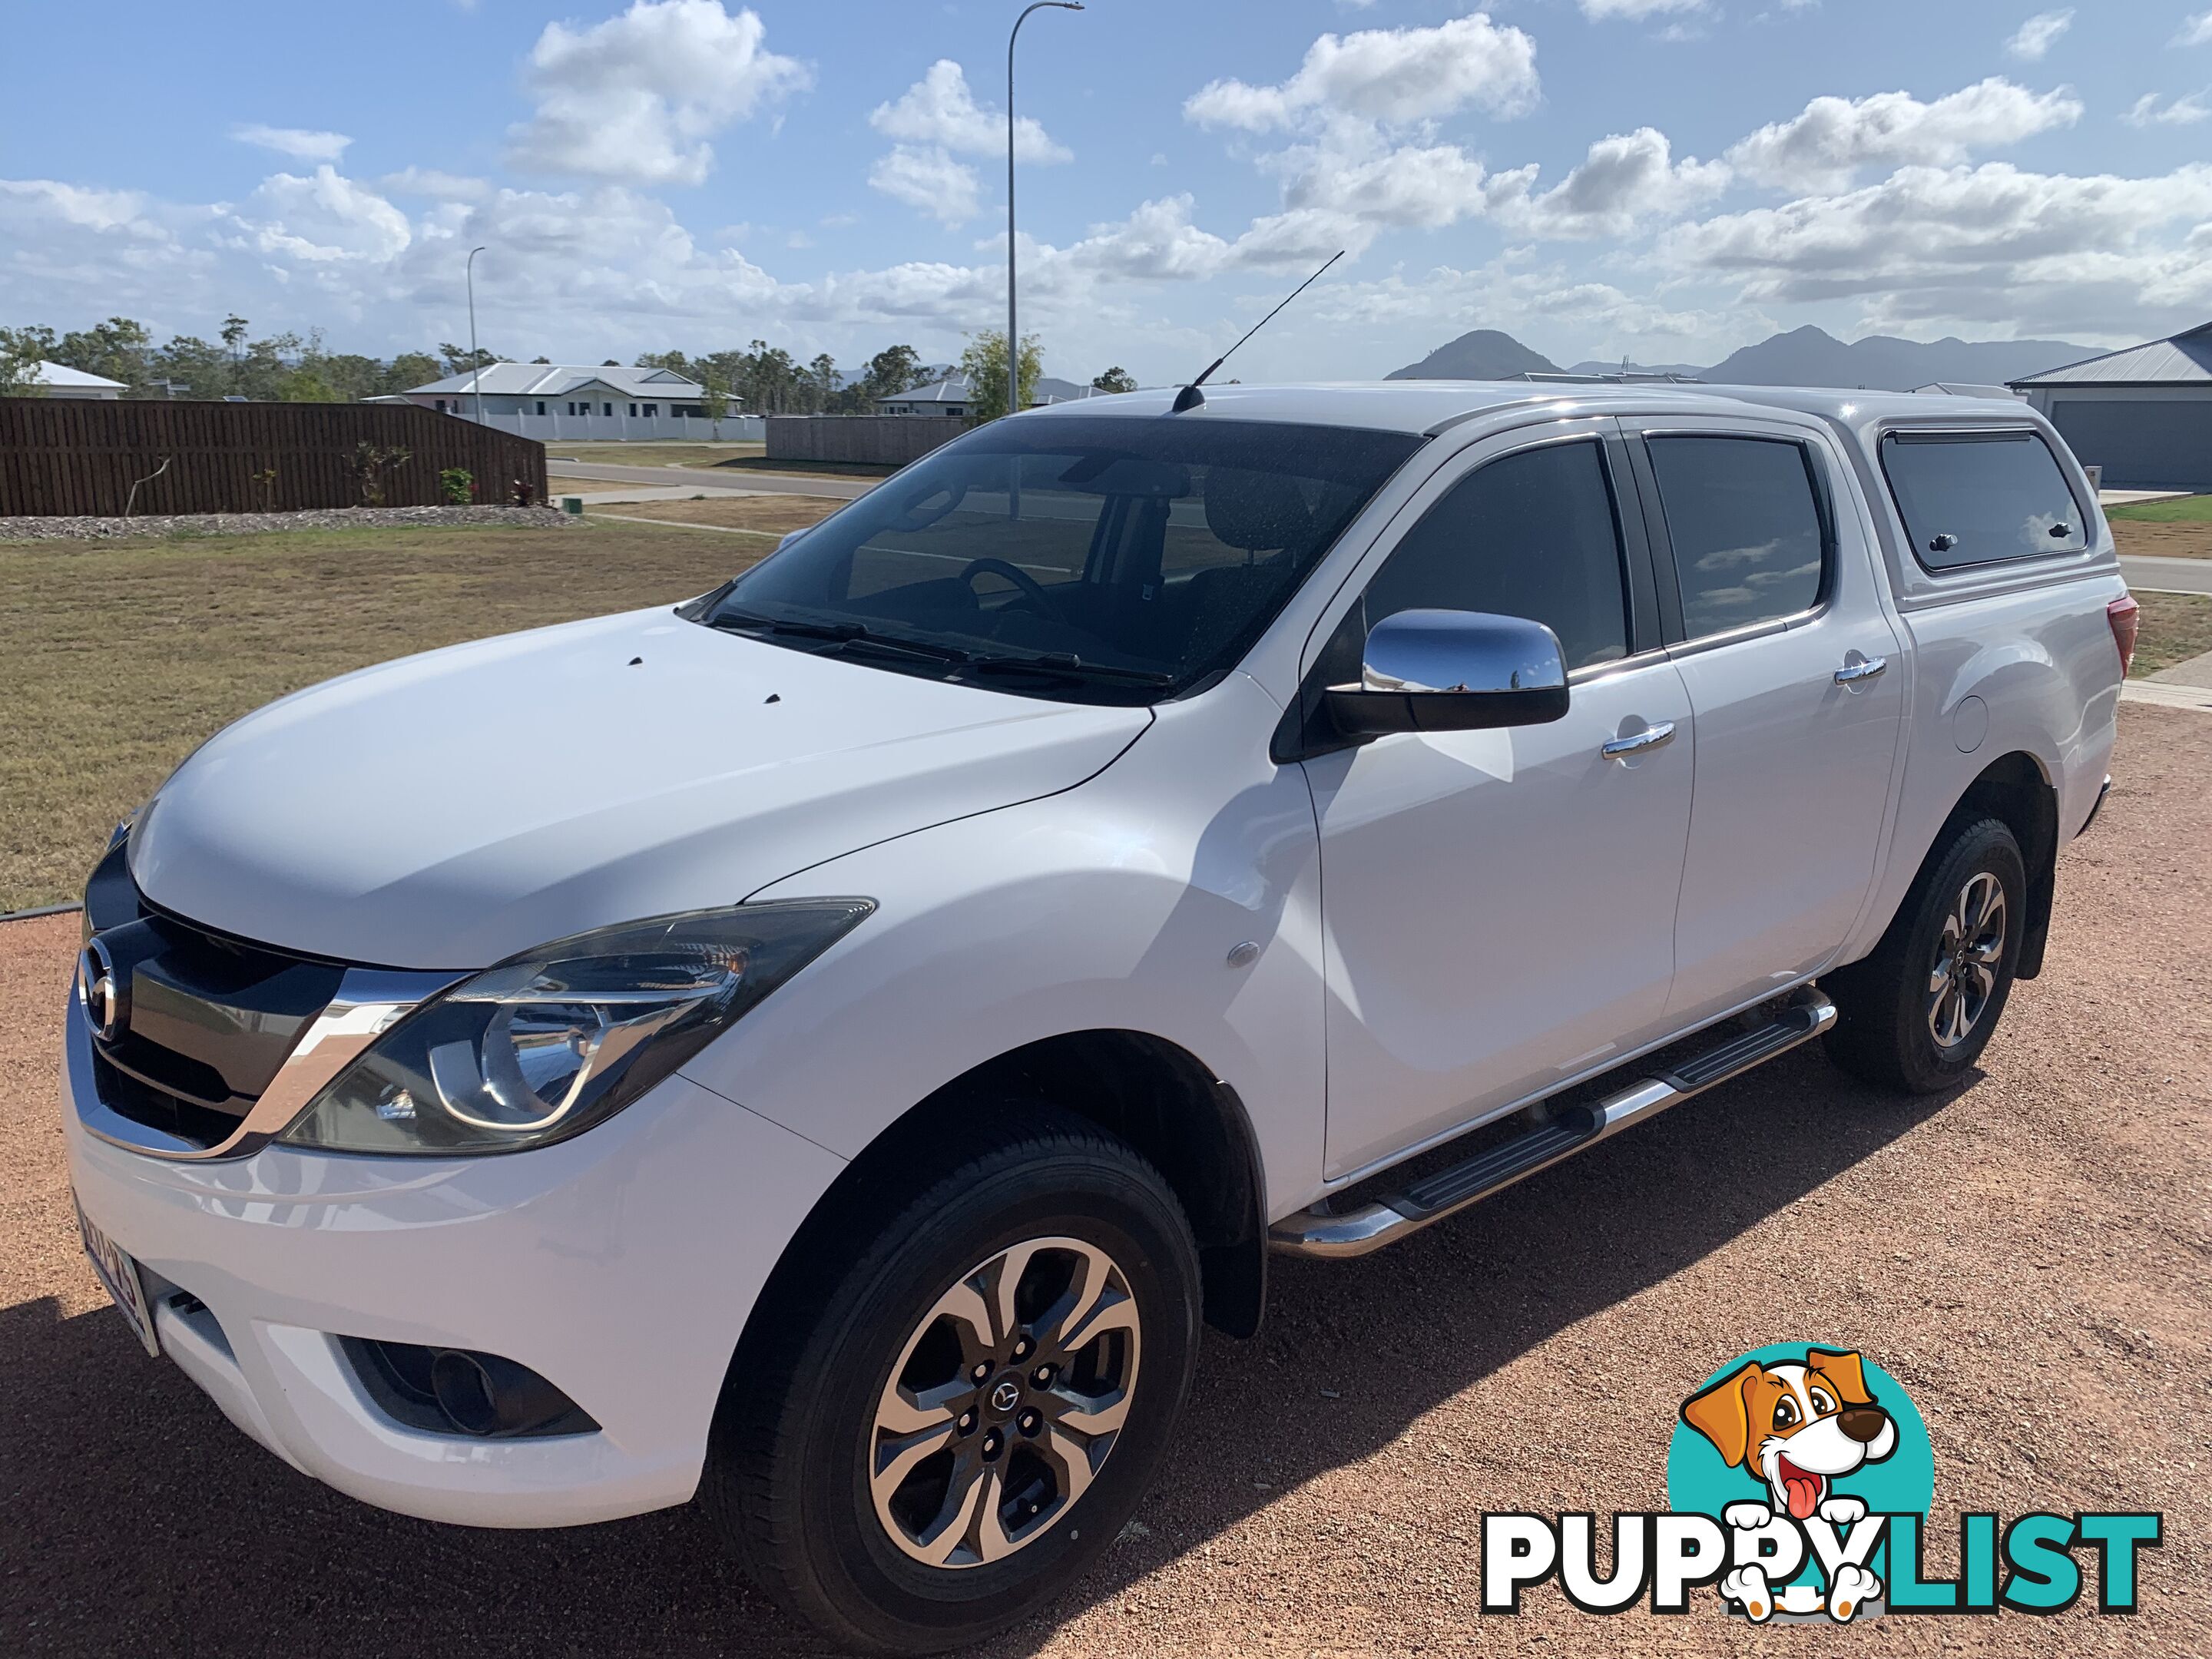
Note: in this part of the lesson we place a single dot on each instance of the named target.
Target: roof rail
(1618, 377)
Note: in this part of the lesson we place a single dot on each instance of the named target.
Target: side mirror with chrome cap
(1453, 670)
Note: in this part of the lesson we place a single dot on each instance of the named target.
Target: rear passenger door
(1768, 597)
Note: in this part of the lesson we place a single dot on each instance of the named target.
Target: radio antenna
(1190, 396)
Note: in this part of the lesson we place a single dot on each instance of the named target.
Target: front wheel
(1917, 1013)
(973, 1404)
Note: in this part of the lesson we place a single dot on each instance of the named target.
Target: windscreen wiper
(1060, 664)
(840, 634)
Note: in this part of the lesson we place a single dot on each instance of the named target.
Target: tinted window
(1530, 534)
(1975, 498)
(1137, 555)
(1747, 529)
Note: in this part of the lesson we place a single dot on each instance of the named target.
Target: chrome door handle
(1655, 736)
(1851, 673)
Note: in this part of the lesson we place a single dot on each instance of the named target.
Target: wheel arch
(2017, 791)
(1153, 1094)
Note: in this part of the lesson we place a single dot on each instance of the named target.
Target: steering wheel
(1031, 589)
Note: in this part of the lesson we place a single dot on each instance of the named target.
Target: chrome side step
(1321, 1232)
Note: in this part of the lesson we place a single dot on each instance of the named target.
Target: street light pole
(1014, 321)
(475, 362)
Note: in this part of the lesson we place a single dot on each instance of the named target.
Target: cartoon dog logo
(1798, 1428)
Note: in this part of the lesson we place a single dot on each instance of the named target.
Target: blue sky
(1666, 179)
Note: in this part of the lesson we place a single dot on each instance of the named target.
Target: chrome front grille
(206, 1046)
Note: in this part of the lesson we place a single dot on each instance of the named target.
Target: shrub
(459, 485)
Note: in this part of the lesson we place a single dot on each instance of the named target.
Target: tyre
(1917, 1013)
(947, 1422)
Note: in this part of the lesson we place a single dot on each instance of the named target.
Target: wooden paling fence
(62, 457)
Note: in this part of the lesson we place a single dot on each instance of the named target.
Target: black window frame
(1668, 572)
(1934, 435)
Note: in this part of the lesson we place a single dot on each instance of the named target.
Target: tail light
(2125, 616)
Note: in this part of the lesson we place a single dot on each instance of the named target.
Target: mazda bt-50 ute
(823, 1049)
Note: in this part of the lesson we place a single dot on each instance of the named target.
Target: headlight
(550, 1042)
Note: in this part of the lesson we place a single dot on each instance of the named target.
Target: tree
(407, 371)
(459, 360)
(118, 348)
(822, 381)
(22, 351)
(714, 403)
(984, 364)
(1116, 379)
(891, 371)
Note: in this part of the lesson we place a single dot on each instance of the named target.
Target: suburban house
(950, 396)
(946, 396)
(562, 400)
(2144, 413)
(55, 381)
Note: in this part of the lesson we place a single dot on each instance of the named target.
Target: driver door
(1498, 906)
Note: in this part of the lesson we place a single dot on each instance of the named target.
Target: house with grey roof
(950, 396)
(2144, 413)
(602, 401)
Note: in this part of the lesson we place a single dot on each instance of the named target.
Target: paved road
(689, 479)
(2161, 575)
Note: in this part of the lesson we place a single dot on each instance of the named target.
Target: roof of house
(556, 379)
(2185, 359)
(55, 374)
(952, 389)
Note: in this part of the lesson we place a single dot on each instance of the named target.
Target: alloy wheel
(1964, 975)
(1004, 1403)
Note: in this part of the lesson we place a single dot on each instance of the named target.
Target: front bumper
(620, 1265)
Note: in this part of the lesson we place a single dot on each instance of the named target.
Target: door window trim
(1678, 641)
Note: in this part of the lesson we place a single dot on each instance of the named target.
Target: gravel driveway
(2029, 1258)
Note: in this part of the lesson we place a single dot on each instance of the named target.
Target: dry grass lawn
(676, 453)
(122, 657)
(2173, 628)
(2163, 539)
(768, 515)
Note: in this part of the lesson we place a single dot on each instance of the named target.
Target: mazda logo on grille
(95, 983)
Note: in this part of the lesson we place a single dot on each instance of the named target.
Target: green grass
(121, 657)
(2183, 509)
(2173, 628)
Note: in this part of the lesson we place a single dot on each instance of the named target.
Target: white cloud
(44, 199)
(323, 218)
(432, 183)
(1823, 148)
(1637, 10)
(634, 99)
(2195, 31)
(297, 142)
(929, 179)
(1988, 245)
(1395, 76)
(939, 112)
(2037, 35)
(2183, 112)
(1624, 180)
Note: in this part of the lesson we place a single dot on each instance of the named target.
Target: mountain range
(1803, 357)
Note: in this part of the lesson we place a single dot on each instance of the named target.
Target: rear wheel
(977, 1401)
(1917, 1012)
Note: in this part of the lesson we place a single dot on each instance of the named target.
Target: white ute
(825, 1048)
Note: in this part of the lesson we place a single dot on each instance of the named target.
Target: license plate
(118, 1273)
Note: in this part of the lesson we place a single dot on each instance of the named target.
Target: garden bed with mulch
(247, 524)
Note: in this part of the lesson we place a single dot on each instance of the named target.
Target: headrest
(1259, 512)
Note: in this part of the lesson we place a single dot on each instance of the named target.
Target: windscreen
(1095, 558)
